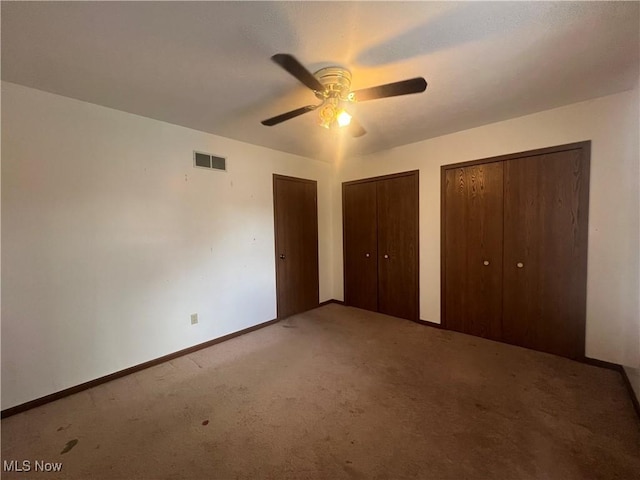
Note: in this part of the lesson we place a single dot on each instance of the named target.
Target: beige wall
(611, 123)
(111, 239)
(633, 372)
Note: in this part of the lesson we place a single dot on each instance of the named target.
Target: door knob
(282, 256)
(485, 263)
(386, 256)
(519, 264)
(367, 255)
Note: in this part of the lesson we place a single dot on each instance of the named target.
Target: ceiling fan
(332, 85)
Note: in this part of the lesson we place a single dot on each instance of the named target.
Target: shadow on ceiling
(464, 23)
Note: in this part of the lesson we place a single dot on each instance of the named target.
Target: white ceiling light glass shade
(330, 114)
(327, 114)
(343, 118)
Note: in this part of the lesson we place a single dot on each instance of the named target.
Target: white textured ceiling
(205, 65)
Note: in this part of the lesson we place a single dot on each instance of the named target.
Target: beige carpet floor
(341, 393)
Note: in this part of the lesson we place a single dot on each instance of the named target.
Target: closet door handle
(282, 257)
(519, 264)
(485, 263)
(386, 256)
(367, 255)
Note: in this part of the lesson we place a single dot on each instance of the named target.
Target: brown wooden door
(296, 242)
(473, 217)
(397, 200)
(545, 252)
(360, 245)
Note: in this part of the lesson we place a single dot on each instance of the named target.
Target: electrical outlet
(194, 318)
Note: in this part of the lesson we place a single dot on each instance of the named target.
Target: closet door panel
(360, 245)
(473, 250)
(545, 252)
(398, 246)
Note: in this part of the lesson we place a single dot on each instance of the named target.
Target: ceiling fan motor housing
(336, 81)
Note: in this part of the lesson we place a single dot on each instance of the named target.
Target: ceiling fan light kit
(332, 85)
(337, 84)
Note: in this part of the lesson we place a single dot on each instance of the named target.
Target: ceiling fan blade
(355, 129)
(270, 122)
(404, 87)
(295, 68)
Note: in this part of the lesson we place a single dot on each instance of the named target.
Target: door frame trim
(381, 177)
(584, 146)
(409, 173)
(277, 177)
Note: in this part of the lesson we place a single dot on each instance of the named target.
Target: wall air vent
(207, 160)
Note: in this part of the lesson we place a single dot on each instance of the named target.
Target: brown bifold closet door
(514, 248)
(473, 254)
(380, 233)
(545, 251)
(397, 201)
(296, 244)
(360, 245)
